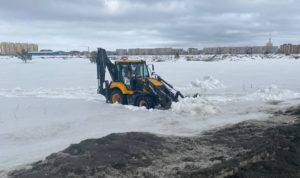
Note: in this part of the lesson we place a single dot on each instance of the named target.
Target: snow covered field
(47, 104)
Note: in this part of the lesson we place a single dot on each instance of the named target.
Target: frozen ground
(48, 104)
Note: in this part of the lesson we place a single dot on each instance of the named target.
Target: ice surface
(87, 93)
(49, 103)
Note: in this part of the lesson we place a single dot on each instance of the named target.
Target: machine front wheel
(116, 96)
(144, 101)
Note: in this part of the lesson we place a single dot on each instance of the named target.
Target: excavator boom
(103, 62)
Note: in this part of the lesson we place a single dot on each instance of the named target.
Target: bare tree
(93, 56)
(24, 55)
(176, 55)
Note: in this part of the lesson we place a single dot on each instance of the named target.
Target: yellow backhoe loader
(133, 84)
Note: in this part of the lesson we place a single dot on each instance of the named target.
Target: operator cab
(128, 70)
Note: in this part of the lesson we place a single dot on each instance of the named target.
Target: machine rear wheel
(116, 96)
(144, 101)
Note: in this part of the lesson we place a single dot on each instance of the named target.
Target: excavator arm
(103, 62)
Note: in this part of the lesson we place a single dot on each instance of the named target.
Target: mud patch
(274, 102)
(280, 158)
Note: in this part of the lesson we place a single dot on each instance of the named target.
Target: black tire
(145, 101)
(167, 105)
(117, 96)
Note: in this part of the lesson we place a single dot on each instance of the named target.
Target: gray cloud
(76, 24)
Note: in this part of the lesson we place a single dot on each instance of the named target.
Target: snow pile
(136, 108)
(208, 82)
(194, 106)
(273, 93)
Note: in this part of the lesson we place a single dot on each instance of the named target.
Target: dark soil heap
(249, 149)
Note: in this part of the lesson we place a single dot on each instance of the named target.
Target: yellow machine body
(122, 87)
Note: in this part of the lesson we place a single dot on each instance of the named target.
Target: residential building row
(195, 51)
(15, 48)
(267, 49)
(151, 51)
(289, 49)
(8, 48)
(241, 50)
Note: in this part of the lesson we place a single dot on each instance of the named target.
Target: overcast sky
(77, 24)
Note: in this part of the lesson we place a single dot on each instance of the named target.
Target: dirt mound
(96, 157)
(278, 156)
(247, 149)
(292, 111)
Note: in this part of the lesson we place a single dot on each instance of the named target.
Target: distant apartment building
(241, 50)
(7, 48)
(149, 51)
(193, 51)
(179, 51)
(111, 53)
(163, 51)
(297, 49)
(289, 49)
(121, 52)
(143, 51)
(85, 53)
(74, 53)
(267, 49)
(133, 51)
(232, 50)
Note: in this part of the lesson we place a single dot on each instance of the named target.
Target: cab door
(124, 74)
